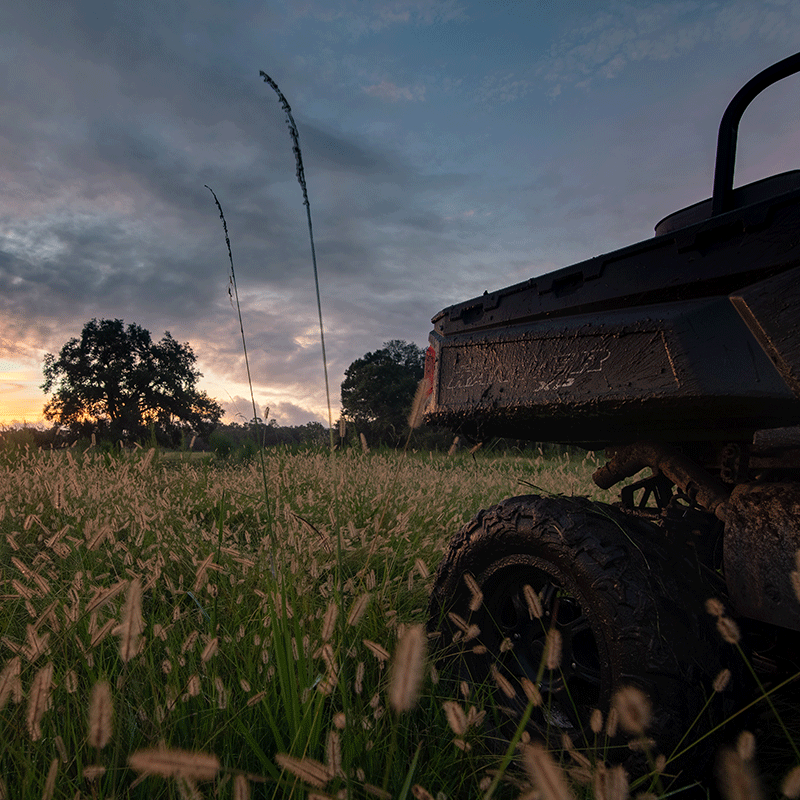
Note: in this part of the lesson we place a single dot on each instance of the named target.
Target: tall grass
(216, 661)
(147, 651)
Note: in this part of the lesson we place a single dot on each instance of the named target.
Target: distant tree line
(116, 385)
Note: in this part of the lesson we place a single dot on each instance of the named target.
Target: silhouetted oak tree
(118, 379)
(378, 389)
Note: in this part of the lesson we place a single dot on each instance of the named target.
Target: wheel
(626, 605)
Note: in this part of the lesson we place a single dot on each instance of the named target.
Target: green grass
(196, 535)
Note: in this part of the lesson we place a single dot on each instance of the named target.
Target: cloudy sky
(450, 147)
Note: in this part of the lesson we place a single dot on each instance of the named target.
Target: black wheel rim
(515, 641)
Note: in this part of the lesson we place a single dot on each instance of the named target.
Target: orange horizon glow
(22, 401)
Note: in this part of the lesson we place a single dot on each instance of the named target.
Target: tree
(118, 380)
(378, 389)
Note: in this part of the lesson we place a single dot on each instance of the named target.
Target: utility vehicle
(680, 353)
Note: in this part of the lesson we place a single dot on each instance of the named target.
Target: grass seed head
(456, 718)
(381, 653)
(50, 782)
(333, 752)
(722, 680)
(532, 692)
(532, 600)
(503, 683)
(728, 630)
(476, 595)
(358, 609)
(132, 622)
(408, 669)
(329, 621)
(39, 700)
(210, 650)
(418, 406)
(545, 773)
(612, 722)
(746, 746)
(596, 721)
(100, 715)
(174, 763)
(610, 783)
(736, 777)
(791, 784)
(93, 771)
(553, 649)
(241, 788)
(307, 769)
(715, 607)
(9, 680)
(633, 708)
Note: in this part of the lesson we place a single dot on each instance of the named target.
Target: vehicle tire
(629, 609)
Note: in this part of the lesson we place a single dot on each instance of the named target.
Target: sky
(450, 147)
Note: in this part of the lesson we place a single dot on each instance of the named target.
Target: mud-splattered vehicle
(682, 354)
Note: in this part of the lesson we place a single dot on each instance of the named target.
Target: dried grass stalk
(408, 669)
(175, 763)
(100, 714)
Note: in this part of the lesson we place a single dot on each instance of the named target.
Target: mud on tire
(627, 603)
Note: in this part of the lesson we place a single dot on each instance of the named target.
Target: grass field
(170, 629)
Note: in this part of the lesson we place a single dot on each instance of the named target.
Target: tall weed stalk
(301, 178)
(246, 363)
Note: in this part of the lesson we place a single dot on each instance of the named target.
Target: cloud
(505, 87)
(359, 19)
(389, 91)
(615, 38)
(289, 414)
